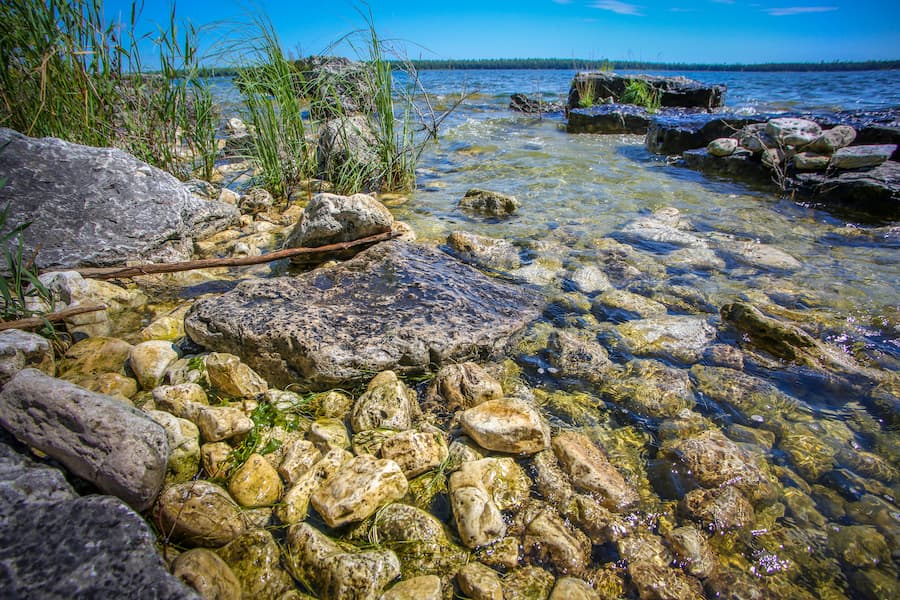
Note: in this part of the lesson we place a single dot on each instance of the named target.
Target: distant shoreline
(576, 64)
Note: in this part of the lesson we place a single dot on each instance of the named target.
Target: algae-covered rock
(622, 305)
(677, 338)
(577, 357)
(479, 582)
(573, 588)
(387, 404)
(528, 583)
(484, 251)
(199, 513)
(424, 587)
(549, 539)
(329, 433)
(692, 551)
(359, 488)
(858, 546)
(94, 355)
(317, 330)
(719, 509)
(295, 502)
(479, 490)
(590, 471)
(149, 361)
(208, 574)
(489, 202)
(255, 559)
(184, 446)
(416, 451)
(184, 400)
(651, 388)
(255, 483)
(506, 425)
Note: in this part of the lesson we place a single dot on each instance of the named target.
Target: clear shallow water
(578, 192)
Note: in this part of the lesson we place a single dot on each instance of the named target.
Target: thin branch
(190, 265)
(32, 322)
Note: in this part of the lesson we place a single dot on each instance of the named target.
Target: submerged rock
(318, 330)
(75, 195)
(591, 471)
(464, 386)
(674, 337)
(609, 118)
(204, 571)
(506, 425)
(484, 251)
(255, 559)
(489, 202)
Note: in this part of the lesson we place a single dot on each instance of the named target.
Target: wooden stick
(151, 268)
(32, 322)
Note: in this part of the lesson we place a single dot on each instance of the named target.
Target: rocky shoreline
(366, 427)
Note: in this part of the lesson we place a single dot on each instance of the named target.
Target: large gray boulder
(55, 544)
(100, 206)
(396, 306)
(673, 91)
(103, 440)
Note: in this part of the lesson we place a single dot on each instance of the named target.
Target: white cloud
(621, 8)
(562, 1)
(799, 10)
(682, 10)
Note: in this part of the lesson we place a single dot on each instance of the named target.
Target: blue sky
(711, 31)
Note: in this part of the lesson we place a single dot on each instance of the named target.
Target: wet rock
(464, 386)
(674, 337)
(749, 435)
(551, 482)
(46, 528)
(484, 251)
(858, 157)
(184, 446)
(325, 317)
(832, 140)
(387, 404)
(425, 587)
(651, 388)
(416, 451)
(722, 146)
(219, 423)
(370, 441)
(752, 396)
(662, 583)
(111, 384)
(740, 165)
(255, 483)
(593, 86)
(620, 305)
(208, 574)
(754, 254)
(577, 357)
(358, 489)
(660, 228)
(719, 509)
(551, 541)
(184, 400)
(692, 551)
(22, 350)
(329, 433)
(502, 554)
(347, 151)
(788, 131)
(294, 505)
(803, 508)
(572, 588)
(94, 355)
(479, 490)
(873, 584)
(522, 103)
(528, 583)
(810, 161)
(591, 471)
(255, 200)
(590, 280)
(334, 572)
(299, 457)
(479, 582)
(329, 219)
(858, 546)
(609, 118)
(149, 361)
(70, 194)
(114, 446)
(506, 425)
(872, 190)
(255, 559)
(216, 459)
(489, 202)
(199, 513)
(232, 377)
(676, 133)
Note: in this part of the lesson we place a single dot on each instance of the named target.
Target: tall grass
(643, 94)
(68, 73)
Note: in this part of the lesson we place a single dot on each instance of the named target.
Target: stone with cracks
(100, 206)
(397, 306)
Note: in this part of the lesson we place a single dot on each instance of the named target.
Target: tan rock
(424, 587)
(479, 582)
(94, 355)
(255, 559)
(387, 404)
(215, 457)
(232, 377)
(184, 446)
(219, 423)
(299, 457)
(199, 513)
(329, 433)
(208, 574)
(295, 503)
(572, 588)
(184, 400)
(416, 451)
(255, 483)
(506, 425)
(149, 361)
(358, 489)
(591, 471)
(552, 541)
(464, 386)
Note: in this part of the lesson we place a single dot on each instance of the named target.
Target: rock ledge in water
(397, 306)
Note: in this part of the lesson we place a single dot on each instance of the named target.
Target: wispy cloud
(723, 1)
(562, 1)
(621, 8)
(799, 10)
(683, 10)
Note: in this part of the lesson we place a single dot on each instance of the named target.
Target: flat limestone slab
(399, 306)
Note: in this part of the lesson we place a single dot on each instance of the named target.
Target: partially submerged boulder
(100, 206)
(594, 86)
(398, 306)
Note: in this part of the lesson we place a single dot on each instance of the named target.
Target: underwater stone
(489, 202)
(484, 251)
(479, 582)
(317, 330)
(464, 386)
(592, 472)
(719, 509)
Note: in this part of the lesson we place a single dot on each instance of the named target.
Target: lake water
(833, 529)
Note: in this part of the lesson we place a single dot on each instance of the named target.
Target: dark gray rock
(609, 118)
(100, 206)
(397, 306)
(111, 444)
(859, 157)
(876, 191)
(522, 103)
(674, 133)
(674, 91)
(55, 544)
(740, 165)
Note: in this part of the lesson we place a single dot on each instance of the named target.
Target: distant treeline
(630, 65)
(609, 65)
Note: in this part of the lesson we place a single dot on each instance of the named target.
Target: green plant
(586, 88)
(67, 73)
(641, 93)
